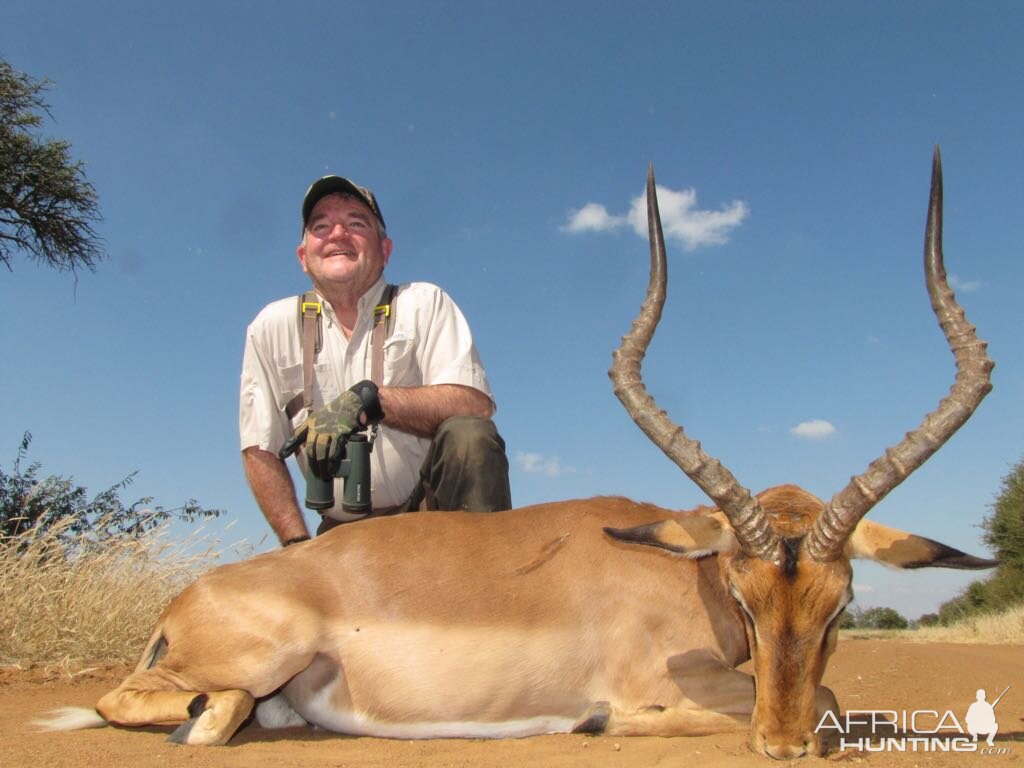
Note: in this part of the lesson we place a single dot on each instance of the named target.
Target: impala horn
(748, 519)
(827, 537)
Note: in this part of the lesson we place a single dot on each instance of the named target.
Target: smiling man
(398, 359)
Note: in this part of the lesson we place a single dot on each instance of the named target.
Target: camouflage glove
(327, 430)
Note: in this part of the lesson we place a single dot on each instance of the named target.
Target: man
(436, 446)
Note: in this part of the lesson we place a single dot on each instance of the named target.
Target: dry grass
(1005, 628)
(92, 602)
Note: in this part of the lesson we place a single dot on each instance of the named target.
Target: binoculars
(355, 469)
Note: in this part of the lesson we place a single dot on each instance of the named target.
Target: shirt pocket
(400, 365)
(289, 384)
(290, 387)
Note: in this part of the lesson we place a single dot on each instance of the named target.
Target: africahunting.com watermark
(918, 730)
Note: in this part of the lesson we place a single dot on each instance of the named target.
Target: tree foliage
(882, 618)
(28, 501)
(873, 618)
(47, 206)
(1004, 528)
(1004, 533)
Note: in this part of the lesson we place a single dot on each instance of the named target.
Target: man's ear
(692, 536)
(899, 549)
(300, 253)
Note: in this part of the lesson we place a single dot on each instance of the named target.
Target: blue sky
(794, 138)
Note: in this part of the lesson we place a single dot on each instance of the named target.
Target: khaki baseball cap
(330, 184)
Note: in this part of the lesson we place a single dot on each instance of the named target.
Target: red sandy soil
(865, 675)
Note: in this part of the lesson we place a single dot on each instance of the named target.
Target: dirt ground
(865, 675)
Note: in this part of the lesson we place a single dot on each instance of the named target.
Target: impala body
(602, 615)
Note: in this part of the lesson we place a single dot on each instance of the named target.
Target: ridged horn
(828, 536)
(745, 514)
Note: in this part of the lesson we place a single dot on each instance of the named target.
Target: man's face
(341, 247)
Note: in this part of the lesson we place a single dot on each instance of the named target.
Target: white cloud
(681, 220)
(964, 286)
(684, 222)
(593, 217)
(816, 429)
(534, 463)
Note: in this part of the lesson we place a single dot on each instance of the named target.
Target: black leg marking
(196, 707)
(595, 720)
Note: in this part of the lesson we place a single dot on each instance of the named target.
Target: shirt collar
(367, 302)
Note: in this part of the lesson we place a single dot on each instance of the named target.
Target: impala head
(784, 554)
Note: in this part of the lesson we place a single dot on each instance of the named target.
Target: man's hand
(327, 430)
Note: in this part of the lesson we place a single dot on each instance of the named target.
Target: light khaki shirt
(430, 343)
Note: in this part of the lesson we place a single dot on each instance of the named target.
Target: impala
(603, 615)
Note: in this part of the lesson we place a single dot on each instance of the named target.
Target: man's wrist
(369, 397)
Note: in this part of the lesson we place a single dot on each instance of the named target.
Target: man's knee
(464, 437)
(467, 467)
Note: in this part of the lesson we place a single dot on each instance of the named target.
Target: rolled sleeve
(261, 419)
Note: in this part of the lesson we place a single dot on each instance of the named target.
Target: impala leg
(825, 701)
(148, 698)
(718, 699)
(595, 719)
(214, 718)
(674, 721)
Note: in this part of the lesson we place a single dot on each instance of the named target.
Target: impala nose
(785, 751)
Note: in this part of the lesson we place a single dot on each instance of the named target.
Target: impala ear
(899, 549)
(692, 536)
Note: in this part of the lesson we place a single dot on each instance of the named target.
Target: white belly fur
(320, 711)
(417, 682)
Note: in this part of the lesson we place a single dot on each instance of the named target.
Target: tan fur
(453, 624)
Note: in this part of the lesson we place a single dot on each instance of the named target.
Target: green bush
(1004, 533)
(29, 502)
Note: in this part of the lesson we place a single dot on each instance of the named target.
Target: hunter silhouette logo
(981, 717)
(919, 730)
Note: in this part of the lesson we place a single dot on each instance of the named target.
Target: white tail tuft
(69, 719)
